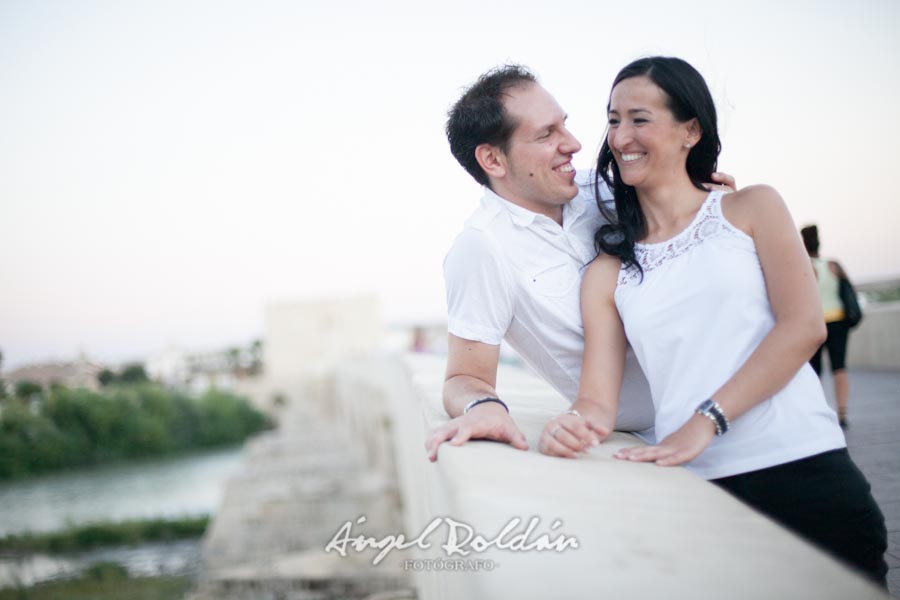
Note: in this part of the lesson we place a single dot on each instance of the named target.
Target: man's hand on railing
(488, 421)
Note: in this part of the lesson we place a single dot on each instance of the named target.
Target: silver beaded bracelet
(710, 409)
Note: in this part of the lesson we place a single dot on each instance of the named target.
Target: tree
(106, 377)
(256, 357)
(3, 393)
(133, 374)
(233, 355)
(26, 389)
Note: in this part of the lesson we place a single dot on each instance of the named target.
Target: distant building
(199, 371)
(424, 337)
(81, 373)
(308, 338)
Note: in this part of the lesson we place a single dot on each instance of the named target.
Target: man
(514, 271)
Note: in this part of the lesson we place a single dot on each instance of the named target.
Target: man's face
(539, 175)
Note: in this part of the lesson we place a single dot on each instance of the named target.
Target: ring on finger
(553, 433)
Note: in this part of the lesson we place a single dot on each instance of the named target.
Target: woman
(828, 276)
(716, 296)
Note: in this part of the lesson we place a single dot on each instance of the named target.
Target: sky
(168, 168)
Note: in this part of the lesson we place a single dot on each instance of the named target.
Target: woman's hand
(602, 363)
(683, 446)
(570, 434)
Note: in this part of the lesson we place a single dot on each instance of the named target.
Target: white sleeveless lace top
(696, 317)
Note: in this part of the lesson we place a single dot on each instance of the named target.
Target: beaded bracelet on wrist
(710, 409)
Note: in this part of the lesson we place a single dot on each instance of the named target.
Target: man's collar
(520, 216)
(523, 217)
(574, 208)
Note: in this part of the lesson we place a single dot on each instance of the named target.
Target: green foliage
(94, 535)
(133, 373)
(104, 581)
(106, 377)
(884, 295)
(72, 428)
(104, 570)
(3, 392)
(224, 417)
(25, 389)
(256, 356)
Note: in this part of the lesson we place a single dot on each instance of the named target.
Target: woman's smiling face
(646, 140)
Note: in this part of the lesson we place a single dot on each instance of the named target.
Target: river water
(185, 486)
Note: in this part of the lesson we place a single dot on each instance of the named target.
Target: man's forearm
(487, 420)
(460, 390)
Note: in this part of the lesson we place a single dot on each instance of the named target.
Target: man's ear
(491, 159)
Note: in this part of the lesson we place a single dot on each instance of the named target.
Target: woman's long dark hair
(688, 97)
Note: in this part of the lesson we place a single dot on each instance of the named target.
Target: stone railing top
(641, 531)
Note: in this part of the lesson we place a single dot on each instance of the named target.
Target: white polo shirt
(516, 275)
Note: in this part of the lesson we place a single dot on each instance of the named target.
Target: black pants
(824, 499)
(836, 344)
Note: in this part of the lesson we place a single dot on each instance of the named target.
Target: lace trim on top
(708, 222)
